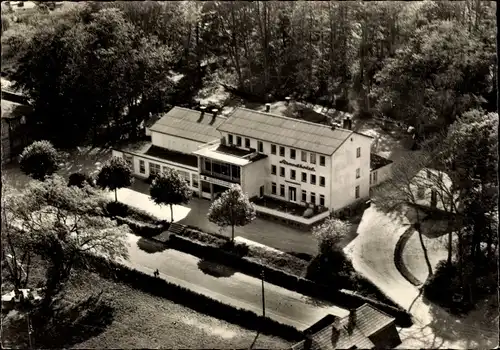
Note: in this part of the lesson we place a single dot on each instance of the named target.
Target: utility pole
(263, 297)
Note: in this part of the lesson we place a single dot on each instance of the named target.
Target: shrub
(142, 228)
(308, 213)
(208, 238)
(303, 256)
(40, 159)
(123, 210)
(239, 249)
(115, 174)
(79, 179)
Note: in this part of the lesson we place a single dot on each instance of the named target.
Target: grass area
(140, 320)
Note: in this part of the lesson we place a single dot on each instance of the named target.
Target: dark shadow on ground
(215, 269)
(150, 246)
(478, 329)
(68, 325)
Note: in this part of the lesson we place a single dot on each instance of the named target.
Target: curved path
(398, 257)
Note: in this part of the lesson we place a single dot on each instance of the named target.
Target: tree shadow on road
(215, 269)
(149, 246)
(475, 329)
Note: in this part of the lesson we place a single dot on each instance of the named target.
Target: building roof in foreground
(13, 110)
(189, 124)
(377, 162)
(285, 131)
(333, 333)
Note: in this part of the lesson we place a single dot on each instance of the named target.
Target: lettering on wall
(297, 165)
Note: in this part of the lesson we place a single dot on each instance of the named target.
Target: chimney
(347, 123)
(287, 100)
(202, 109)
(214, 112)
(268, 107)
(351, 323)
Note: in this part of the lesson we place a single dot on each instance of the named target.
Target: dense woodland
(111, 63)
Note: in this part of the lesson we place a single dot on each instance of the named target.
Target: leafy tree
(330, 266)
(115, 174)
(63, 225)
(169, 188)
(39, 160)
(330, 233)
(232, 208)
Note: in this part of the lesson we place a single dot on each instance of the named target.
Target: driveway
(372, 254)
(270, 233)
(227, 285)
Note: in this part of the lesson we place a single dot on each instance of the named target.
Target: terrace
(289, 212)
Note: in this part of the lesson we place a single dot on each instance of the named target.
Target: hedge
(198, 302)
(143, 229)
(123, 210)
(283, 279)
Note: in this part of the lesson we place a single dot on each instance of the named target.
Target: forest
(112, 64)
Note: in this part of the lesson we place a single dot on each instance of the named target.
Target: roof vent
(203, 109)
(347, 123)
(287, 100)
(214, 112)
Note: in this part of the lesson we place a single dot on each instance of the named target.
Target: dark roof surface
(189, 124)
(285, 131)
(332, 332)
(377, 162)
(176, 157)
(12, 110)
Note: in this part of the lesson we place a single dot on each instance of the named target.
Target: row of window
(312, 195)
(155, 169)
(293, 175)
(260, 145)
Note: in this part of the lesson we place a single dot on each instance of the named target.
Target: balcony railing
(220, 176)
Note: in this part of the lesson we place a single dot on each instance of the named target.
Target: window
(321, 200)
(282, 171)
(313, 179)
(313, 198)
(358, 152)
(273, 149)
(165, 169)
(273, 169)
(154, 169)
(304, 196)
(238, 140)
(304, 156)
(129, 159)
(282, 190)
(195, 180)
(357, 192)
(304, 177)
(313, 158)
(292, 153)
(273, 188)
(230, 139)
(358, 171)
(322, 181)
(260, 146)
(292, 174)
(375, 177)
(322, 160)
(208, 165)
(247, 143)
(142, 167)
(282, 151)
(185, 176)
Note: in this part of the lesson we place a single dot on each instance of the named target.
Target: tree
(233, 208)
(63, 225)
(39, 160)
(115, 174)
(169, 188)
(330, 233)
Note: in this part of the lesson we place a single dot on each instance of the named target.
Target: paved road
(267, 232)
(234, 288)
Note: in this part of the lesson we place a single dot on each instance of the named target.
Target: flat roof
(176, 157)
(189, 124)
(219, 154)
(285, 131)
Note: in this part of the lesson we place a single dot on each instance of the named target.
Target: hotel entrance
(292, 194)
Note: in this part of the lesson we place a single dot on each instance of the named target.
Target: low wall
(306, 222)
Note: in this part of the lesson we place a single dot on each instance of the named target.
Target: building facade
(268, 155)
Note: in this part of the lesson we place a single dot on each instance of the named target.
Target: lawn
(140, 320)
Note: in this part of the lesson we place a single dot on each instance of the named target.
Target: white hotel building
(268, 155)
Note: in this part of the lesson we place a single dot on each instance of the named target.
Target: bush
(198, 302)
(308, 213)
(142, 228)
(79, 179)
(123, 210)
(204, 237)
(240, 249)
